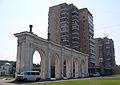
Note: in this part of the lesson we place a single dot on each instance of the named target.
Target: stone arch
(83, 68)
(75, 67)
(55, 61)
(28, 43)
(42, 55)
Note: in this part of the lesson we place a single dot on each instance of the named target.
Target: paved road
(13, 82)
(10, 82)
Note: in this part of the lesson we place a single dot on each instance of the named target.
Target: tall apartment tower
(73, 28)
(64, 25)
(87, 36)
(105, 55)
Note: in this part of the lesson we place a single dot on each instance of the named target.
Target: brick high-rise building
(105, 55)
(73, 28)
(87, 44)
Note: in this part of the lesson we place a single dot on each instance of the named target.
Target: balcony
(108, 59)
(67, 45)
(107, 42)
(92, 57)
(75, 27)
(64, 13)
(75, 38)
(65, 35)
(92, 48)
(107, 47)
(100, 59)
(75, 10)
(64, 8)
(91, 39)
(91, 31)
(75, 15)
(74, 47)
(64, 20)
(91, 44)
(92, 60)
(75, 42)
(75, 31)
(64, 30)
(92, 52)
(65, 40)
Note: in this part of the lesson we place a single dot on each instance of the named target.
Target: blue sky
(16, 15)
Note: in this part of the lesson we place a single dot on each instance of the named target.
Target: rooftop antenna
(105, 35)
(31, 26)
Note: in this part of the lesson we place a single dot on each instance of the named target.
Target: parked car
(96, 74)
(29, 76)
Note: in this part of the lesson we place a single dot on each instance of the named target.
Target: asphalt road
(11, 82)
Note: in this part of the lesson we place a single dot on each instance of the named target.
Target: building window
(107, 42)
(75, 10)
(57, 35)
(63, 19)
(57, 31)
(75, 31)
(57, 27)
(83, 16)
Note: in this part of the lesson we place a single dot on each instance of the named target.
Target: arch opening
(75, 68)
(38, 62)
(66, 67)
(82, 67)
(55, 66)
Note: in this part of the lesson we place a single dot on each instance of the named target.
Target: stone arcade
(28, 43)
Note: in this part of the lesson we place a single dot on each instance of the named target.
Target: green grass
(6, 77)
(113, 80)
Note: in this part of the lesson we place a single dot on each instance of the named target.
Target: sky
(17, 15)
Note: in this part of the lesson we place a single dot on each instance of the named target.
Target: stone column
(62, 63)
(26, 56)
(23, 55)
(79, 67)
(71, 66)
(86, 66)
(18, 59)
(49, 62)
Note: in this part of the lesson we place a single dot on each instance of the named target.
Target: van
(29, 76)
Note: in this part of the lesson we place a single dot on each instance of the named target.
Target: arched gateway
(50, 52)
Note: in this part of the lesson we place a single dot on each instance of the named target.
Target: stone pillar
(49, 62)
(76, 69)
(43, 66)
(23, 55)
(71, 66)
(18, 59)
(79, 67)
(68, 73)
(86, 66)
(62, 63)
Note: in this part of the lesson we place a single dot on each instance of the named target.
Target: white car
(29, 76)
(96, 74)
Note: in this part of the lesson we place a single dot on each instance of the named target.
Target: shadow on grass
(114, 77)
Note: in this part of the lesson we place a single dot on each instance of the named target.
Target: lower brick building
(105, 55)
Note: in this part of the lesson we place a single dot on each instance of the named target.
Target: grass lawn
(6, 77)
(113, 80)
